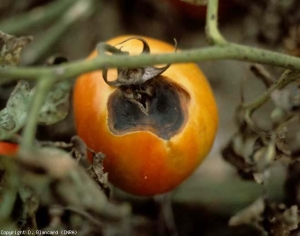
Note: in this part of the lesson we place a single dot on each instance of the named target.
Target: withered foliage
(56, 188)
(269, 157)
(275, 22)
(50, 183)
(49, 189)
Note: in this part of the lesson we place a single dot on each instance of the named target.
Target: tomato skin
(140, 162)
(7, 148)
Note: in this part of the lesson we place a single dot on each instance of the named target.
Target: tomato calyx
(132, 81)
(138, 75)
(145, 99)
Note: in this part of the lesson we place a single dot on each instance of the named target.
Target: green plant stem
(78, 11)
(218, 52)
(43, 86)
(212, 31)
(37, 17)
(10, 195)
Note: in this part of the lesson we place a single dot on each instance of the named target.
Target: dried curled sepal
(146, 48)
(139, 75)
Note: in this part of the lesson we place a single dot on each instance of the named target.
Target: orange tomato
(7, 148)
(147, 152)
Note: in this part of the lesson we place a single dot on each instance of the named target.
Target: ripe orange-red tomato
(147, 152)
(7, 148)
(198, 12)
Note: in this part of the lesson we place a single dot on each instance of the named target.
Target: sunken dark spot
(167, 110)
(213, 17)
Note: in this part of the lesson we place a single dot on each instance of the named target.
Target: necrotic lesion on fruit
(159, 106)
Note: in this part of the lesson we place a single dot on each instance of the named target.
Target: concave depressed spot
(159, 106)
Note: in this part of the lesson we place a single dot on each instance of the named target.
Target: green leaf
(13, 116)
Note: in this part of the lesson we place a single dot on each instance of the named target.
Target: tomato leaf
(13, 116)
(11, 48)
(57, 104)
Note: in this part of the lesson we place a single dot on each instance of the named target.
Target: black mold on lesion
(159, 106)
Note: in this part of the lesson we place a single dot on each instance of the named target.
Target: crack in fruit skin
(132, 155)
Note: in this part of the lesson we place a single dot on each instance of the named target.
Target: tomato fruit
(7, 148)
(154, 133)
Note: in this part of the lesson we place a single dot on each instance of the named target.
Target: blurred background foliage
(203, 204)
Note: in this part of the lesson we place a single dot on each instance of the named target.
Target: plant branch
(9, 196)
(42, 88)
(212, 31)
(286, 78)
(37, 17)
(218, 52)
(78, 11)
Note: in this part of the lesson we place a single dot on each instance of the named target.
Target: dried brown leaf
(11, 48)
(281, 220)
(97, 172)
(56, 178)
